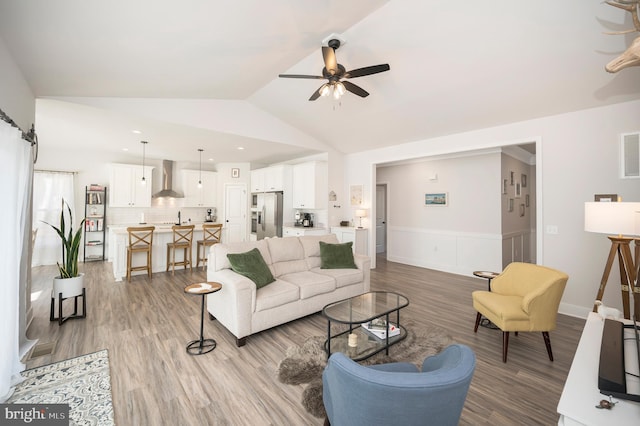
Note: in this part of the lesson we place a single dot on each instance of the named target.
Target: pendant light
(200, 179)
(144, 144)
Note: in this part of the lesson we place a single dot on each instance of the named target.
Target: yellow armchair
(524, 297)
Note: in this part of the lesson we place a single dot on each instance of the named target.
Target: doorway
(235, 212)
(381, 218)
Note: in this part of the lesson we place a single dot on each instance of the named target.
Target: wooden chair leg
(129, 265)
(505, 345)
(149, 271)
(478, 318)
(547, 343)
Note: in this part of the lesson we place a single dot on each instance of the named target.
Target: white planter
(69, 287)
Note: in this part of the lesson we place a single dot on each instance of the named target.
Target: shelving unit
(95, 215)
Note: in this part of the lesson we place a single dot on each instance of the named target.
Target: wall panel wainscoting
(447, 251)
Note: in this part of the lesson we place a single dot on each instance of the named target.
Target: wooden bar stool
(140, 241)
(182, 239)
(211, 233)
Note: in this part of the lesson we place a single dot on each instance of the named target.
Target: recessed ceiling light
(210, 159)
(125, 149)
(240, 147)
(137, 132)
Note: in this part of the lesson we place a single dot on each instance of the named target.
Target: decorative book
(378, 328)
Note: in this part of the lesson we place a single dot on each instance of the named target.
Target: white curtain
(14, 215)
(49, 188)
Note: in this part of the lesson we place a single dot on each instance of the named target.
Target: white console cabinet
(581, 394)
(359, 237)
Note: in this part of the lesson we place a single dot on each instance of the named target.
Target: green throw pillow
(252, 265)
(336, 256)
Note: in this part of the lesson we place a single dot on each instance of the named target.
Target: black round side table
(489, 276)
(202, 345)
(486, 274)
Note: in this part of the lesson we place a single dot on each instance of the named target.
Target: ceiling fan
(335, 73)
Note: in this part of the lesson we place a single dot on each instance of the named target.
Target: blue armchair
(398, 393)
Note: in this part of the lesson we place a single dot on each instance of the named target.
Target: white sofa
(301, 286)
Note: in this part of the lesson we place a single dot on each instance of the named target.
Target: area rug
(83, 383)
(305, 363)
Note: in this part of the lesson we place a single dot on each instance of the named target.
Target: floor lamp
(622, 222)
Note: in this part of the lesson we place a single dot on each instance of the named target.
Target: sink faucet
(179, 222)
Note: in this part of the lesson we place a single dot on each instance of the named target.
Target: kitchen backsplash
(154, 215)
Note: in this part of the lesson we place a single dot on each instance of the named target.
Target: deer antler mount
(631, 56)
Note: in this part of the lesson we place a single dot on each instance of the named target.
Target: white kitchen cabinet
(257, 180)
(199, 197)
(310, 185)
(359, 237)
(298, 231)
(270, 179)
(127, 189)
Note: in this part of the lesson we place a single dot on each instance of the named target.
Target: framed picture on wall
(512, 178)
(526, 200)
(510, 205)
(518, 190)
(355, 194)
(436, 199)
(523, 179)
(504, 186)
(521, 210)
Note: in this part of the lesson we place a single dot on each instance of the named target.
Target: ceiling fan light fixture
(340, 88)
(325, 90)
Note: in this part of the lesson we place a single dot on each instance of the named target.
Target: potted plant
(70, 282)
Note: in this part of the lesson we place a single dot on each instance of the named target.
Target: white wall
(461, 236)
(16, 97)
(577, 157)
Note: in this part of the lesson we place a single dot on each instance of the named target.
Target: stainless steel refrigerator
(269, 215)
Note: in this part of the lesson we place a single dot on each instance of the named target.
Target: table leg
(329, 341)
(202, 345)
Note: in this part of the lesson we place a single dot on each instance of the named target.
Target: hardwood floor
(146, 325)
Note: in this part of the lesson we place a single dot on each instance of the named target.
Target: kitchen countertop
(160, 227)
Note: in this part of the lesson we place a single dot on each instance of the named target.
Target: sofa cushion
(285, 249)
(343, 277)
(336, 256)
(287, 255)
(276, 294)
(221, 250)
(311, 246)
(310, 283)
(251, 265)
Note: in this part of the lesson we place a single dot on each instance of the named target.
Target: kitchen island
(119, 240)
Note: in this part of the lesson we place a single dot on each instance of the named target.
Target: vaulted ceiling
(204, 74)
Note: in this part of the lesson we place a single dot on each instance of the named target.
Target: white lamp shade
(361, 213)
(612, 218)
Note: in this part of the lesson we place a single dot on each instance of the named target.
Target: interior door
(235, 212)
(381, 218)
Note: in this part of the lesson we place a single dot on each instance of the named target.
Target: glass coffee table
(360, 312)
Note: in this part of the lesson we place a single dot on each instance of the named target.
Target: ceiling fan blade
(329, 57)
(357, 90)
(314, 77)
(374, 69)
(316, 94)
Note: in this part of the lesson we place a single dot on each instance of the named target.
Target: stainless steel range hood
(167, 182)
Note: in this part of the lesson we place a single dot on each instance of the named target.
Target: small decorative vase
(69, 287)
